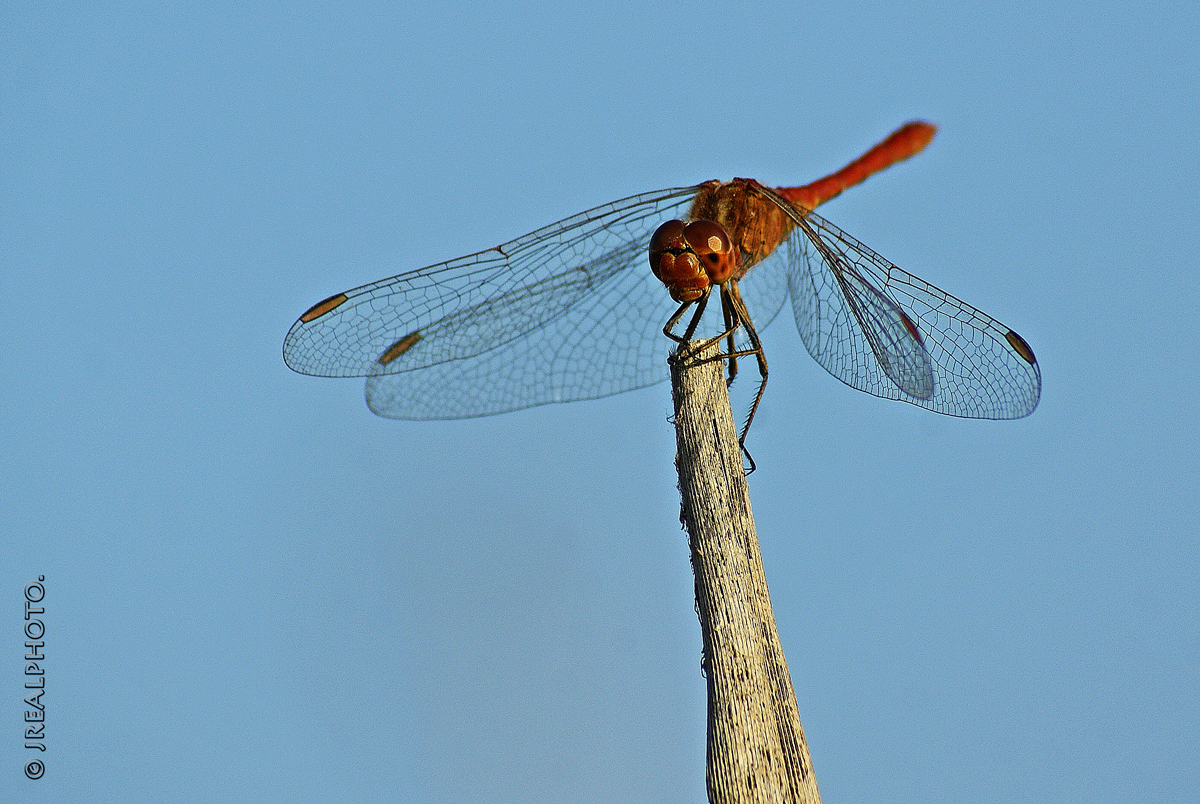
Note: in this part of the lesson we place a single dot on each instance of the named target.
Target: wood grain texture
(756, 746)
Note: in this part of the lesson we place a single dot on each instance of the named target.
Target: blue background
(258, 591)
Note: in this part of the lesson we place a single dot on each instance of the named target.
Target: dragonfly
(569, 311)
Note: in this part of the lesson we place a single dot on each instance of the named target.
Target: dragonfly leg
(733, 319)
(687, 335)
(695, 322)
(735, 300)
(731, 323)
(733, 309)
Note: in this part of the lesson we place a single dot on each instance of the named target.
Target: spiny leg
(730, 306)
(692, 325)
(731, 324)
(739, 307)
(702, 345)
(700, 303)
(687, 335)
(733, 309)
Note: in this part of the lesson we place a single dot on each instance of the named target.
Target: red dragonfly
(569, 312)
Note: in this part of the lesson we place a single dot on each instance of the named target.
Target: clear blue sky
(258, 591)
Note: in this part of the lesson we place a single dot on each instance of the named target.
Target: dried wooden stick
(756, 747)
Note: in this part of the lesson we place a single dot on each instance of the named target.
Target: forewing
(561, 313)
(348, 336)
(853, 309)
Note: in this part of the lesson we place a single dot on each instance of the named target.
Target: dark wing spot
(400, 347)
(321, 308)
(1020, 347)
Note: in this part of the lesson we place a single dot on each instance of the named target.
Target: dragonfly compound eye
(676, 263)
(712, 244)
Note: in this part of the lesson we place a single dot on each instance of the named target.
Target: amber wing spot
(400, 347)
(1020, 347)
(321, 308)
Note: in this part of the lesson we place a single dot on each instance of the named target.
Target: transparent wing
(764, 288)
(884, 331)
(611, 343)
(570, 311)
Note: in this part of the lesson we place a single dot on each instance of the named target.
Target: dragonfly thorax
(742, 208)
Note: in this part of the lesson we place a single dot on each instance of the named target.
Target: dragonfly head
(688, 258)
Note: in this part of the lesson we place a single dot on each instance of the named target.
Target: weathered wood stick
(756, 747)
